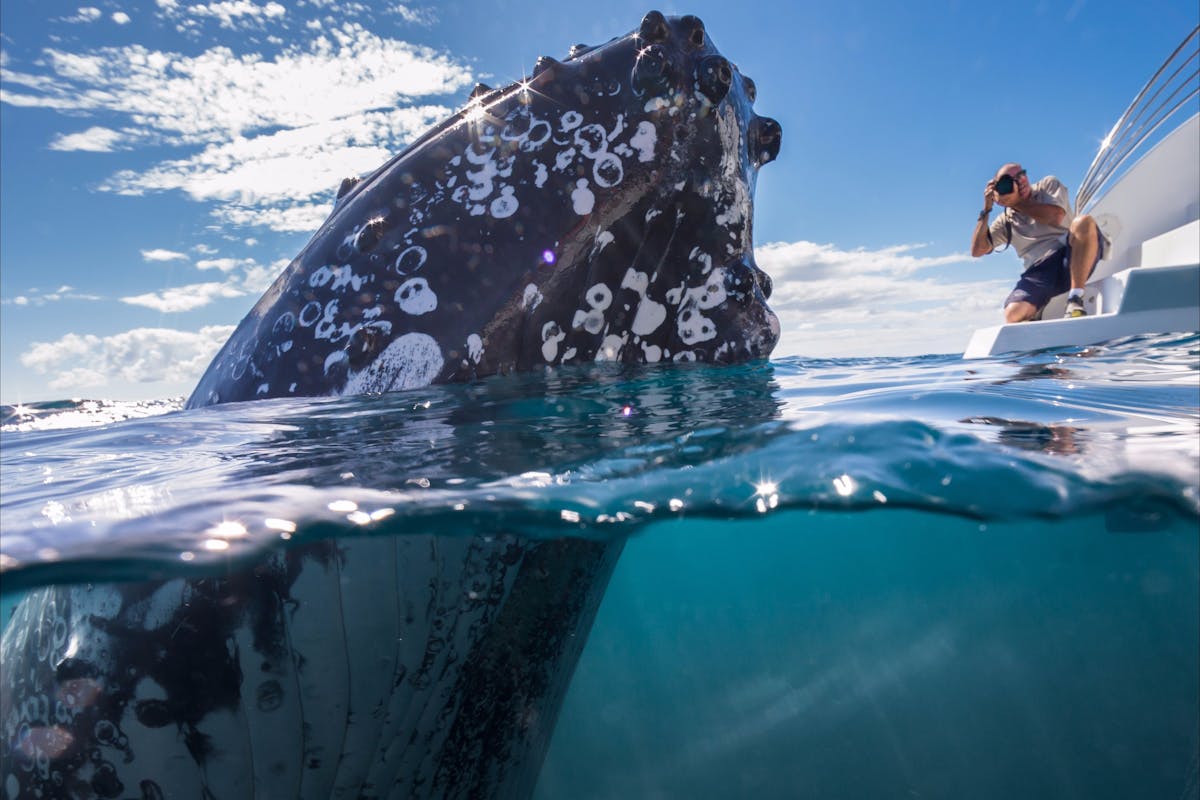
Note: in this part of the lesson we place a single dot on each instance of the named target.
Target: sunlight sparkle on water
(277, 524)
(227, 530)
(844, 485)
(766, 496)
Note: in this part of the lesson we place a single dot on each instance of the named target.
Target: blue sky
(161, 160)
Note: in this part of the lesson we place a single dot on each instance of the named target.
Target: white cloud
(275, 134)
(296, 218)
(183, 298)
(84, 15)
(233, 13)
(414, 16)
(159, 254)
(218, 95)
(834, 302)
(242, 276)
(93, 140)
(224, 264)
(275, 169)
(120, 17)
(142, 355)
(36, 297)
(257, 279)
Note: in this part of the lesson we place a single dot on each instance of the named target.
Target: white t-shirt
(1031, 239)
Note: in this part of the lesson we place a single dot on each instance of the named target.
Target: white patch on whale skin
(592, 140)
(652, 353)
(570, 120)
(532, 297)
(336, 357)
(539, 179)
(694, 327)
(326, 327)
(409, 362)
(731, 173)
(591, 321)
(610, 348)
(475, 347)
(603, 239)
(341, 277)
(564, 159)
(411, 259)
(551, 336)
(505, 205)
(635, 280)
(415, 297)
(655, 103)
(650, 315)
(582, 198)
(607, 170)
(599, 297)
(162, 604)
(644, 140)
(712, 293)
(263, 388)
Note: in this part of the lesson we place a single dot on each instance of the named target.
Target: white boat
(1150, 280)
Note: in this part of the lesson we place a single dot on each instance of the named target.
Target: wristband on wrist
(984, 214)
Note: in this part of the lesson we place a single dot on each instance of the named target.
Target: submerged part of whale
(408, 666)
(600, 210)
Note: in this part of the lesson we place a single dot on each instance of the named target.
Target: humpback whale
(599, 210)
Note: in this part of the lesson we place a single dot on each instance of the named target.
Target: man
(1059, 252)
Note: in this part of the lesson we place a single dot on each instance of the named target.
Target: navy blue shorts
(1049, 277)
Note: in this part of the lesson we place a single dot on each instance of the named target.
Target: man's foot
(1074, 308)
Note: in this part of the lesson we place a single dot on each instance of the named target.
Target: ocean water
(841, 578)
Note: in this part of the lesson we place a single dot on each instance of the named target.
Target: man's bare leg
(1085, 243)
(1019, 311)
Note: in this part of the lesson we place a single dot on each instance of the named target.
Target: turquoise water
(907, 577)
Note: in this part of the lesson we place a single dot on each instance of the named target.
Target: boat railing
(1170, 89)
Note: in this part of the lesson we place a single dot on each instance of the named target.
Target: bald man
(1059, 252)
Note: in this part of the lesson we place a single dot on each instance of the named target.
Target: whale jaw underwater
(599, 211)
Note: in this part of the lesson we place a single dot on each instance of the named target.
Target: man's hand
(989, 195)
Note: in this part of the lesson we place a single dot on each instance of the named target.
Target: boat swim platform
(1160, 296)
